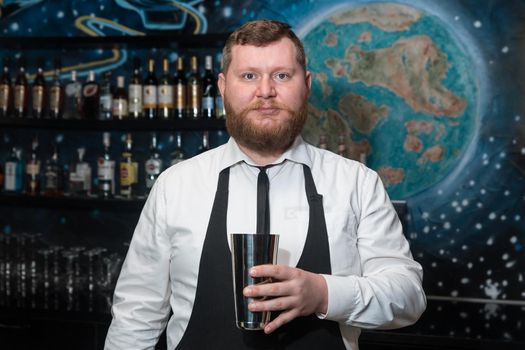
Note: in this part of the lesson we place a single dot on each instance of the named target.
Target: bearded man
(343, 262)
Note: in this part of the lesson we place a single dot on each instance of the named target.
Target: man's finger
(281, 320)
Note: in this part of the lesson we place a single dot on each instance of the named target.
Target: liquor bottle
(90, 97)
(194, 91)
(39, 94)
(135, 92)
(180, 86)
(33, 171)
(6, 92)
(341, 146)
(80, 175)
(177, 155)
(120, 100)
(56, 95)
(165, 92)
(54, 174)
(73, 98)
(128, 171)
(21, 94)
(106, 169)
(150, 92)
(13, 172)
(205, 145)
(106, 98)
(209, 90)
(322, 142)
(153, 164)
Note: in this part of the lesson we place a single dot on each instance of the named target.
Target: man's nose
(266, 87)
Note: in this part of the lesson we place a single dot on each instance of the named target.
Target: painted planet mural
(399, 85)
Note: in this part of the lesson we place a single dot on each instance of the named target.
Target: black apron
(212, 322)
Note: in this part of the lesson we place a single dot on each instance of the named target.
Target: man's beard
(265, 140)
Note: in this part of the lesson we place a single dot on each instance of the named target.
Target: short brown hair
(261, 33)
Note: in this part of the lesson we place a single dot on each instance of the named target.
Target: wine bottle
(180, 85)
(54, 174)
(56, 95)
(153, 165)
(6, 92)
(73, 98)
(209, 89)
(21, 95)
(150, 92)
(106, 98)
(90, 97)
(128, 170)
(120, 100)
(32, 183)
(106, 169)
(135, 92)
(194, 91)
(165, 92)
(39, 94)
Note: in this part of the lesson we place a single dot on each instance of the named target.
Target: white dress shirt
(375, 283)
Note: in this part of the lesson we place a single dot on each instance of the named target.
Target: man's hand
(293, 291)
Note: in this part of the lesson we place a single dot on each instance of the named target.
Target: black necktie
(263, 202)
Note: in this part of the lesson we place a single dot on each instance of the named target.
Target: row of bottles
(78, 179)
(186, 94)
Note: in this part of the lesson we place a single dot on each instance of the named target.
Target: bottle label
(73, 89)
(153, 166)
(33, 169)
(128, 173)
(20, 97)
(135, 99)
(51, 177)
(207, 103)
(195, 96)
(106, 169)
(120, 108)
(105, 102)
(54, 99)
(165, 96)
(38, 98)
(180, 96)
(13, 177)
(150, 96)
(80, 179)
(90, 90)
(4, 97)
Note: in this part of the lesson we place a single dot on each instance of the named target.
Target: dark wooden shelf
(164, 40)
(109, 125)
(68, 202)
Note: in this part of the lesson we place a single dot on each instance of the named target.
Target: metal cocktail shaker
(249, 250)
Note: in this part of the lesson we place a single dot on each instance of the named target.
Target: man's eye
(282, 76)
(248, 76)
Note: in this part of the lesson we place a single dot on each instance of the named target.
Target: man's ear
(221, 83)
(309, 81)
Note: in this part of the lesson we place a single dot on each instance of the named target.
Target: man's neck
(259, 158)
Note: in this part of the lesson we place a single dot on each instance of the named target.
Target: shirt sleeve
(141, 300)
(388, 294)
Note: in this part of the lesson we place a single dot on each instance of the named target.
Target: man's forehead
(283, 46)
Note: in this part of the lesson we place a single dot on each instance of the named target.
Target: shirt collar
(297, 152)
